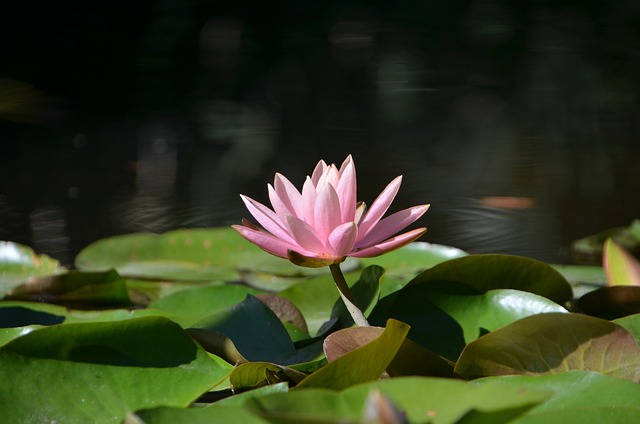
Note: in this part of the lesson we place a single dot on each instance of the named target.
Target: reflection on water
(517, 123)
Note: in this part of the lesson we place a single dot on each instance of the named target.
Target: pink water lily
(325, 223)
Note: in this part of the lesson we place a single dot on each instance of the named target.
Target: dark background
(517, 120)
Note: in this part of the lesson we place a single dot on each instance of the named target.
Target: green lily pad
(631, 323)
(189, 306)
(255, 374)
(185, 255)
(493, 271)
(579, 396)
(445, 322)
(255, 330)
(18, 263)
(103, 371)
(553, 343)
(435, 400)
(75, 289)
(408, 261)
(218, 415)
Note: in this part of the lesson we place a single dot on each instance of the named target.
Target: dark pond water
(517, 121)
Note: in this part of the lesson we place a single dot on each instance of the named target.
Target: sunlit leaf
(363, 364)
(553, 343)
(405, 263)
(621, 268)
(411, 358)
(631, 323)
(192, 305)
(18, 263)
(217, 415)
(100, 372)
(255, 374)
(435, 400)
(579, 396)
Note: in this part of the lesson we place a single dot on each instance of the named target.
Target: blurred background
(517, 120)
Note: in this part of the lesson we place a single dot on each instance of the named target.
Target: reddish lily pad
(362, 364)
(550, 344)
(611, 302)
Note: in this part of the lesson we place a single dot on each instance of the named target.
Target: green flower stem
(347, 297)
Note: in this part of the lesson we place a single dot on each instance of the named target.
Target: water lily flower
(324, 223)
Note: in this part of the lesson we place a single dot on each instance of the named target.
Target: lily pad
(550, 344)
(435, 400)
(363, 364)
(103, 371)
(75, 289)
(611, 302)
(184, 255)
(445, 322)
(18, 263)
(493, 271)
(600, 398)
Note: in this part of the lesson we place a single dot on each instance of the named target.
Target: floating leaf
(254, 374)
(411, 359)
(435, 400)
(103, 371)
(621, 268)
(631, 323)
(192, 305)
(611, 302)
(445, 322)
(218, 415)
(588, 250)
(405, 263)
(363, 364)
(255, 331)
(75, 289)
(579, 396)
(284, 309)
(184, 255)
(18, 263)
(493, 271)
(553, 343)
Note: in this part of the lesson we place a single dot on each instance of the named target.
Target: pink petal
(309, 196)
(318, 171)
(288, 194)
(327, 214)
(267, 218)
(331, 176)
(305, 236)
(266, 241)
(347, 189)
(379, 207)
(348, 160)
(389, 245)
(392, 224)
(343, 238)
